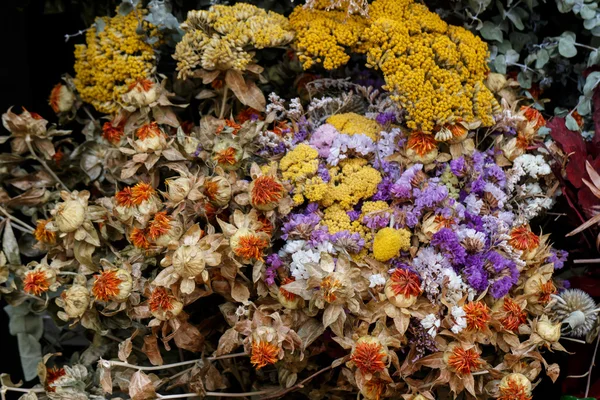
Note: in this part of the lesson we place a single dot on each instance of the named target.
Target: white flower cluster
(527, 164)
(431, 323)
(376, 280)
(460, 323)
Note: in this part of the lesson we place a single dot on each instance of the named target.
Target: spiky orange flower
(112, 134)
(443, 222)
(139, 238)
(421, 142)
(160, 224)
(477, 315)
(464, 361)
(251, 246)
(266, 190)
(55, 97)
(247, 114)
(578, 118)
(123, 197)
(144, 84)
(288, 295)
(263, 353)
(329, 286)
(141, 192)
(36, 283)
(457, 130)
(280, 128)
(524, 141)
(513, 391)
(374, 388)
(267, 227)
(211, 188)
(52, 375)
(148, 130)
(514, 315)
(232, 124)
(405, 282)
(226, 156)
(58, 156)
(521, 238)
(42, 234)
(546, 291)
(369, 357)
(106, 285)
(161, 300)
(534, 116)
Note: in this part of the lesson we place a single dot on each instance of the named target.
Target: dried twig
(174, 365)
(16, 220)
(41, 161)
(589, 379)
(215, 394)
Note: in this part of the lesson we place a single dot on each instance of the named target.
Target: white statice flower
(299, 261)
(471, 235)
(386, 144)
(276, 104)
(376, 280)
(460, 323)
(293, 246)
(495, 191)
(296, 111)
(473, 204)
(456, 288)
(431, 323)
(535, 166)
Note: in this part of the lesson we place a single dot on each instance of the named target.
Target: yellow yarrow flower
(352, 124)
(389, 242)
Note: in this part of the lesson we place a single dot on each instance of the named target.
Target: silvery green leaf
(505, 46)
(520, 39)
(596, 31)
(584, 107)
(591, 23)
(543, 131)
(593, 58)
(566, 48)
(542, 58)
(515, 19)
(28, 328)
(530, 58)
(529, 4)
(571, 124)
(591, 82)
(512, 56)
(524, 79)
(479, 5)
(491, 31)
(125, 8)
(587, 12)
(100, 25)
(500, 64)
(568, 35)
(10, 247)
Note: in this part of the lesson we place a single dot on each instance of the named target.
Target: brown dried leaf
(166, 116)
(553, 370)
(125, 348)
(141, 387)
(246, 91)
(150, 348)
(240, 292)
(105, 379)
(214, 380)
(228, 342)
(188, 337)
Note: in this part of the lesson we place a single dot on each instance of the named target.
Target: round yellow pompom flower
(388, 243)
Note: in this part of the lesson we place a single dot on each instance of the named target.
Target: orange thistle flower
(226, 156)
(55, 96)
(464, 361)
(161, 300)
(232, 124)
(34, 115)
(521, 238)
(288, 295)
(251, 246)
(159, 225)
(267, 226)
(477, 315)
(369, 355)
(405, 282)
(111, 133)
(329, 286)
(58, 156)
(139, 238)
(148, 130)
(52, 375)
(534, 116)
(443, 222)
(247, 114)
(513, 391)
(280, 127)
(547, 289)
(263, 353)
(36, 283)
(457, 129)
(145, 84)
(210, 189)
(210, 210)
(124, 197)
(421, 142)
(514, 315)
(266, 190)
(141, 192)
(106, 285)
(42, 234)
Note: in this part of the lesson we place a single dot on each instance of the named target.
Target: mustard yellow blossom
(300, 163)
(389, 242)
(353, 181)
(352, 124)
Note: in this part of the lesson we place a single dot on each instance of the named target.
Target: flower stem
(13, 389)
(174, 365)
(215, 394)
(16, 220)
(41, 161)
(224, 101)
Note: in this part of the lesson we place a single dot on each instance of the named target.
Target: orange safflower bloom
(547, 290)
(36, 283)
(124, 197)
(226, 156)
(514, 315)
(111, 133)
(42, 234)
(106, 285)
(533, 115)
(421, 142)
(251, 246)
(288, 295)
(521, 238)
(263, 353)
(160, 299)
(139, 238)
(477, 315)
(329, 286)
(369, 356)
(464, 361)
(148, 130)
(405, 282)
(160, 225)
(141, 192)
(513, 391)
(52, 375)
(266, 190)
(144, 83)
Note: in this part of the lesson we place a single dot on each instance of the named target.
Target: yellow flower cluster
(336, 219)
(351, 182)
(373, 206)
(434, 70)
(352, 124)
(299, 163)
(112, 60)
(389, 242)
(323, 36)
(221, 37)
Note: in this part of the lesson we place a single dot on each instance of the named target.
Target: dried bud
(218, 190)
(164, 305)
(188, 261)
(548, 330)
(422, 159)
(69, 215)
(495, 82)
(76, 301)
(227, 154)
(61, 98)
(288, 299)
(178, 189)
(150, 138)
(142, 93)
(173, 235)
(514, 386)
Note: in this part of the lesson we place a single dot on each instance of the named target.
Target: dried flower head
(515, 386)
(513, 315)
(477, 314)
(369, 355)
(521, 238)
(576, 310)
(163, 305)
(403, 288)
(42, 234)
(463, 361)
(112, 285)
(39, 280)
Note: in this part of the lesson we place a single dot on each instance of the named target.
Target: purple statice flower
(323, 173)
(352, 242)
(509, 274)
(493, 173)
(430, 196)
(478, 161)
(473, 221)
(475, 273)
(376, 220)
(274, 262)
(478, 186)
(459, 167)
(383, 189)
(318, 236)
(412, 216)
(322, 139)
(403, 187)
(311, 208)
(353, 214)
(558, 258)
(448, 243)
(300, 225)
(302, 133)
(423, 342)
(385, 118)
